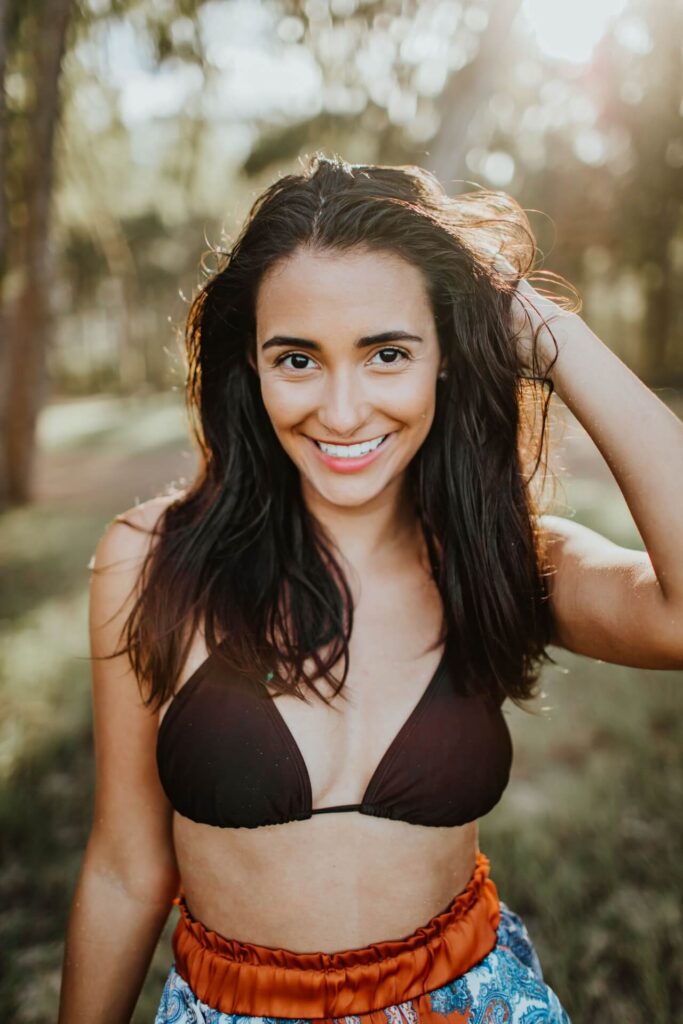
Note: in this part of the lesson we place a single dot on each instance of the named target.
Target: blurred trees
(176, 112)
(642, 98)
(461, 89)
(33, 38)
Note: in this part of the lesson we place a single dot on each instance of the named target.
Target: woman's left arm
(611, 602)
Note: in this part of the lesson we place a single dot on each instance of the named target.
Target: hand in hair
(532, 312)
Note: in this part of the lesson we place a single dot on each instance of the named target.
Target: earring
(443, 375)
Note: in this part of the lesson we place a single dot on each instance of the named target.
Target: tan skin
(354, 875)
(342, 880)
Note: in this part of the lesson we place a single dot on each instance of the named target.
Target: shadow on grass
(598, 877)
(45, 812)
(45, 816)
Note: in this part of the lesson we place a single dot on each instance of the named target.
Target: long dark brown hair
(238, 550)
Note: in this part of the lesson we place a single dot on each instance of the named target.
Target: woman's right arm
(128, 876)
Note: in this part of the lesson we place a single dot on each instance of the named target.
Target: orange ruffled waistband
(265, 981)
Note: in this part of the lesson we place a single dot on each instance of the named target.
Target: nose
(344, 407)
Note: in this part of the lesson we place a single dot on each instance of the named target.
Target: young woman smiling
(305, 722)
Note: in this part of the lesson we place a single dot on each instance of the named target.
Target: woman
(363, 366)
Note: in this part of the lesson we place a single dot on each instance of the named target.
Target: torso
(338, 880)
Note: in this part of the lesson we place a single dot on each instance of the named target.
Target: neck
(382, 532)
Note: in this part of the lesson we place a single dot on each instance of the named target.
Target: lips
(350, 463)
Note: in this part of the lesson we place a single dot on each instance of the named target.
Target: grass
(586, 844)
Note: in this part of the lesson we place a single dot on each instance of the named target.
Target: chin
(345, 500)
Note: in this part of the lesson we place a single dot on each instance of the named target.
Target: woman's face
(347, 354)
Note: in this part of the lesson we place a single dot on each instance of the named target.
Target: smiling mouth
(350, 451)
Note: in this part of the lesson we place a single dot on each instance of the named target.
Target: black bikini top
(227, 757)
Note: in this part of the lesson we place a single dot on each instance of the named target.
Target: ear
(252, 363)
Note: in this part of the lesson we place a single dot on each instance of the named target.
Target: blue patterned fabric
(506, 987)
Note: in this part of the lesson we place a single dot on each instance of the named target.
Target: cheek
(285, 406)
(413, 401)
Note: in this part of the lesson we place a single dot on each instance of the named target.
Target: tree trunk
(27, 321)
(656, 327)
(4, 225)
(467, 90)
(3, 145)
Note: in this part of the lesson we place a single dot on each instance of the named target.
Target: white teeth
(350, 451)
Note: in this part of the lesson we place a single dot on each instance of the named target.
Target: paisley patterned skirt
(474, 963)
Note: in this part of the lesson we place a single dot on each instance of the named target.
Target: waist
(246, 882)
(252, 979)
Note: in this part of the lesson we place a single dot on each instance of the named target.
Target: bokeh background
(132, 136)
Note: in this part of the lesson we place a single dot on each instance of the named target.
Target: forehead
(362, 285)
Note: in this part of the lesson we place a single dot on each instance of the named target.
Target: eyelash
(389, 348)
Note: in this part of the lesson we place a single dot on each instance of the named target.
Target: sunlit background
(135, 136)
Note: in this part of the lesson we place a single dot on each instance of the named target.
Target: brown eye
(293, 355)
(396, 356)
(394, 351)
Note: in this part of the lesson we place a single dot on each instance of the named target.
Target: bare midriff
(336, 881)
(340, 880)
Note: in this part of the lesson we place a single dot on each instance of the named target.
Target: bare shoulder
(127, 537)
(131, 836)
(116, 567)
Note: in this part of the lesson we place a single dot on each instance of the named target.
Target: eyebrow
(281, 341)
